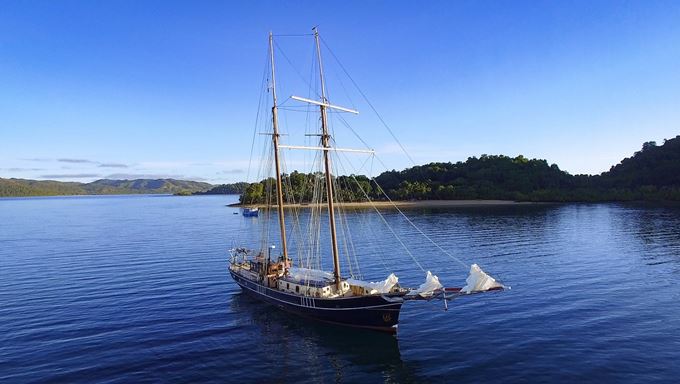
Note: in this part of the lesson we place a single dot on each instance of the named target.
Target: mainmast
(325, 143)
(275, 139)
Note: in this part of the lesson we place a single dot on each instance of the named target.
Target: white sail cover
(301, 274)
(427, 288)
(378, 287)
(479, 281)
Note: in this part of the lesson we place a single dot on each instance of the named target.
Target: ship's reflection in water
(308, 350)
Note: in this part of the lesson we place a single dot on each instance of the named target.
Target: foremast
(277, 164)
(325, 143)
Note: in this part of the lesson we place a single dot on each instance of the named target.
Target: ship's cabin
(311, 288)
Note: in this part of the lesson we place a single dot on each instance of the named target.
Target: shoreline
(402, 204)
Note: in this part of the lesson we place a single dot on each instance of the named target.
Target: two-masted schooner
(314, 293)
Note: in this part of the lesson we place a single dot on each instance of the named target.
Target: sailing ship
(269, 274)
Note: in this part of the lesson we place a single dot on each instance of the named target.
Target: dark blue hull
(378, 312)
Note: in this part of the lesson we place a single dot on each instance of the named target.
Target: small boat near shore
(251, 212)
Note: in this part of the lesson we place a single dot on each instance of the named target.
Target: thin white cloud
(232, 172)
(71, 176)
(22, 169)
(165, 164)
(133, 176)
(389, 149)
(78, 161)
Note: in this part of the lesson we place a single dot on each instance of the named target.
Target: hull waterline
(376, 312)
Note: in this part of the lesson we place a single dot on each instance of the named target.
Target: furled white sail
(302, 274)
(378, 287)
(479, 281)
(427, 288)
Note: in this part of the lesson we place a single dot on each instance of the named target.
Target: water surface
(126, 289)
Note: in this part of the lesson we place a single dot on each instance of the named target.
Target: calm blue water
(135, 289)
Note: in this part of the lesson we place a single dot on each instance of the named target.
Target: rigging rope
(397, 141)
(416, 227)
(312, 247)
(242, 225)
(391, 202)
(370, 227)
(387, 224)
(294, 67)
(368, 102)
(257, 115)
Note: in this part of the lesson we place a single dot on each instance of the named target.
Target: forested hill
(22, 187)
(654, 165)
(226, 189)
(653, 173)
(484, 177)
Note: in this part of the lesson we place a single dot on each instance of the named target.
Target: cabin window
(287, 286)
(297, 288)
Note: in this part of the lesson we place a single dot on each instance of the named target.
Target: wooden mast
(277, 165)
(325, 143)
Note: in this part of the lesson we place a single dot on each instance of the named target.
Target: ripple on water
(135, 289)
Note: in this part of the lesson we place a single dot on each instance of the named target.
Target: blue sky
(125, 89)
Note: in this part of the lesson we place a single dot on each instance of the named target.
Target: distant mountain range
(22, 187)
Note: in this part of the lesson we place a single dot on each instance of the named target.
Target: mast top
(318, 54)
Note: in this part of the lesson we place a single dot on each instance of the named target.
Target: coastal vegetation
(225, 189)
(653, 173)
(22, 187)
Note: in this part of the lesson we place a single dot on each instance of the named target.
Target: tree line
(653, 173)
